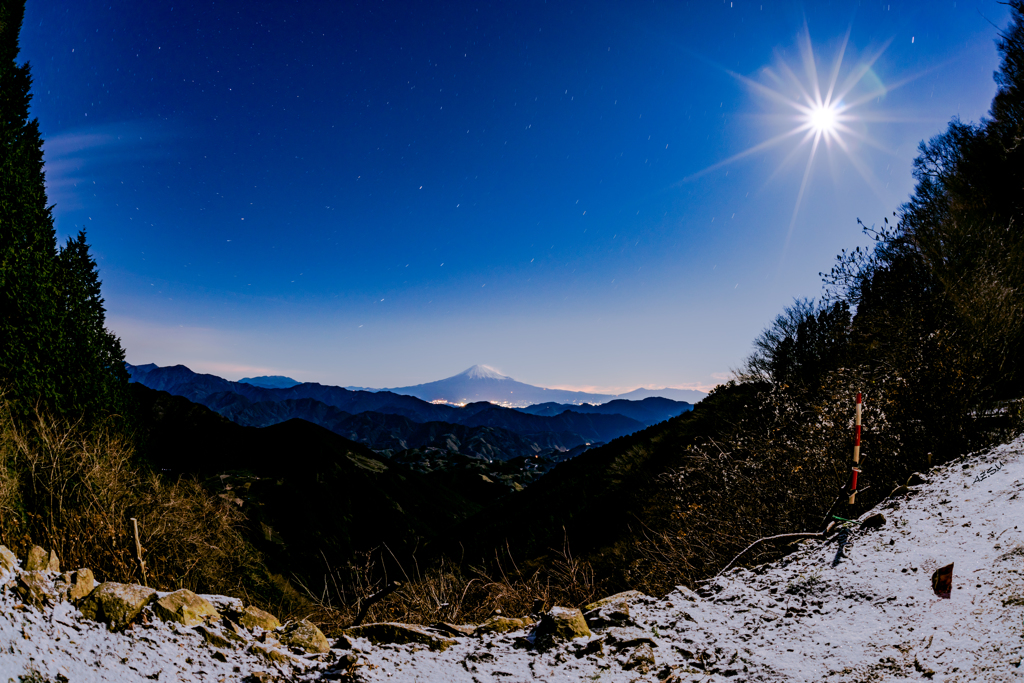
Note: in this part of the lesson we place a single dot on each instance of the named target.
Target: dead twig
(374, 599)
(805, 534)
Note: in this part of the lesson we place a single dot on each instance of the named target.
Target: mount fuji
(484, 383)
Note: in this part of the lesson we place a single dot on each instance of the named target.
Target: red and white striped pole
(856, 453)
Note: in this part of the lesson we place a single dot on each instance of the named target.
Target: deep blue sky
(384, 193)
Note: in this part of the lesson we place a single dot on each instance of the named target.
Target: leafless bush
(75, 489)
(782, 469)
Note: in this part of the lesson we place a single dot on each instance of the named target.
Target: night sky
(384, 193)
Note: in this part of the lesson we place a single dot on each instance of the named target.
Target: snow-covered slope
(871, 616)
(867, 613)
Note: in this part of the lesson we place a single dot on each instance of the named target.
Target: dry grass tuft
(75, 489)
(446, 592)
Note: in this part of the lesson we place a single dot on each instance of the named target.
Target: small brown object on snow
(942, 581)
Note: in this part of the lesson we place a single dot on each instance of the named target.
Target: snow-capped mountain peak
(482, 372)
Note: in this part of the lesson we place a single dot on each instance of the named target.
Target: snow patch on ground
(871, 616)
(865, 612)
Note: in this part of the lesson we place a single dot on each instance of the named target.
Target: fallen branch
(374, 599)
(805, 534)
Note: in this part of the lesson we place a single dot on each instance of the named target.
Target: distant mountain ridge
(391, 422)
(271, 381)
(484, 383)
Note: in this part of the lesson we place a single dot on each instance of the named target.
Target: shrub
(75, 489)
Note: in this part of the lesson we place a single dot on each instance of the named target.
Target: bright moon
(823, 119)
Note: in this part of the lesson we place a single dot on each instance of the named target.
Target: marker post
(856, 453)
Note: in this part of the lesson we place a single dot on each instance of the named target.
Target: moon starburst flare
(817, 110)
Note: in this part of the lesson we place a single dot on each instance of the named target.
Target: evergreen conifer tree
(27, 241)
(55, 353)
(93, 376)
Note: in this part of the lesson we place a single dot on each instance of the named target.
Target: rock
(343, 643)
(305, 636)
(8, 560)
(348, 662)
(233, 631)
(184, 607)
(456, 630)
(227, 607)
(116, 604)
(251, 617)
(270, 654)
(53, 564)
(258, 677)
(625, 596)
(216, 639)
(35, 589)
(873, 521)
(502, 625)
(399, 634)
(594, 647)
(687, 594)
(37, 560)
(62, 585)
(641, 659)
(624, 638)
(608, 614)
(76, 585)
(560, 624)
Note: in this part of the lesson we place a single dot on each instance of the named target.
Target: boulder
(82, 583)
(625, 638)
(456, 630)
(37, 560)
(53, 564)
(233, 631)
(36, 589)
(625, 596)
(226, 606)
(399, 634)
(8, 560)
(687, 594)
(217, 639)
(251, 617)
(560, 624)
(270, 654)
(259, 677)
(608, 614)
(116, 604)
(501, 624)
(184, 607)
(305, 636)
(641, 659)
(73, 586)
(343, 643)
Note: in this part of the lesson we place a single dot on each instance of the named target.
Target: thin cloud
(76, 159)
